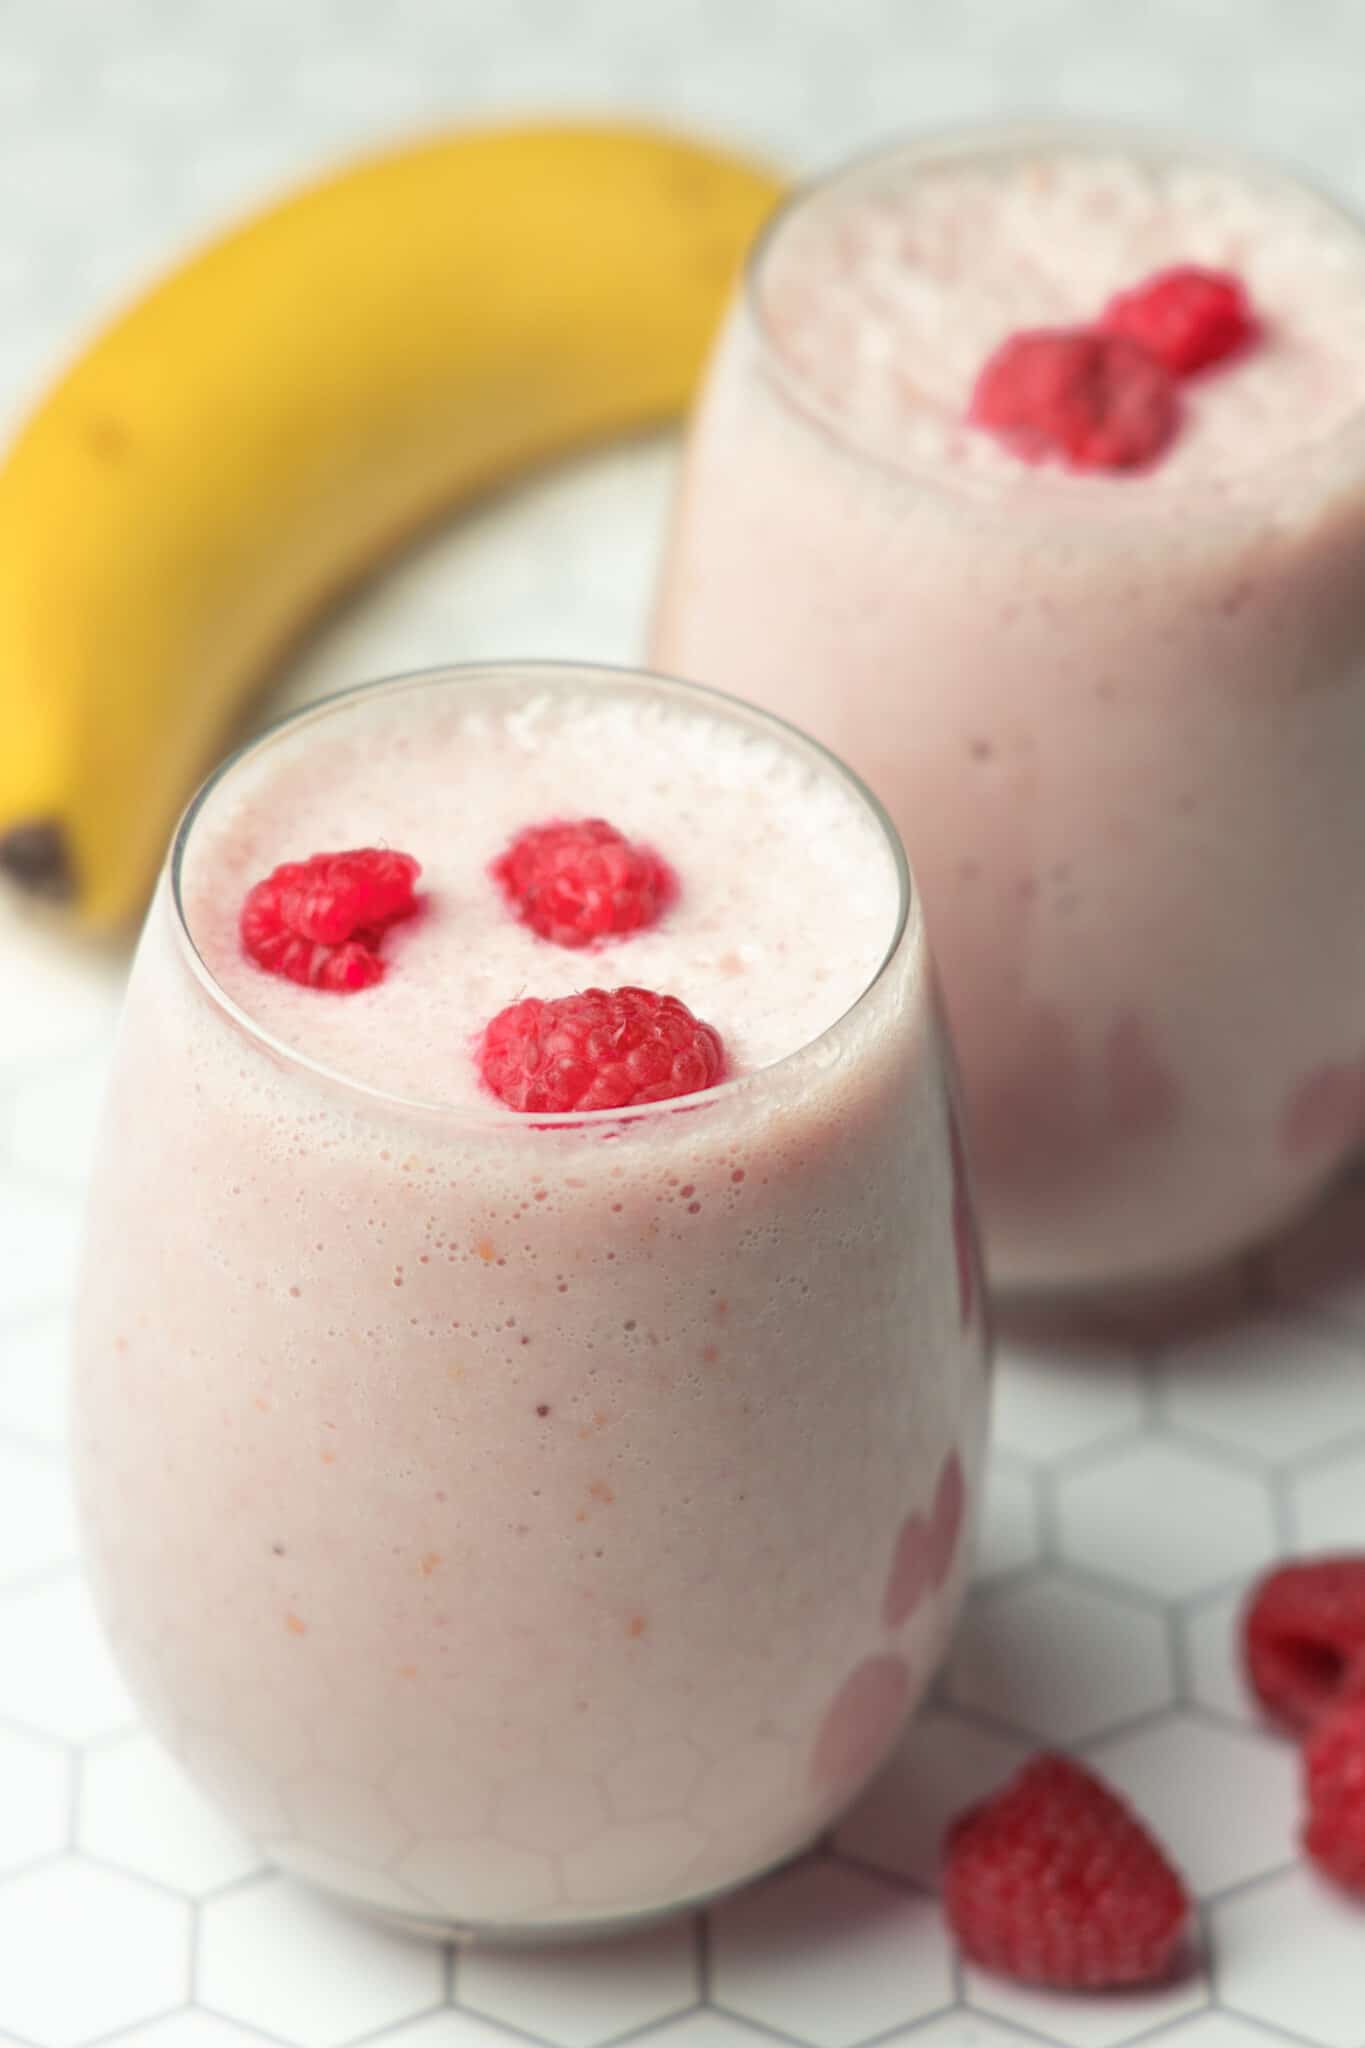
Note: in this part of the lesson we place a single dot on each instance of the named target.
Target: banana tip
(35, 857)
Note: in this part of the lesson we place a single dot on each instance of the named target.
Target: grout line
(1256, 1728)
(647, 2029)
(894, 1880)
(1101, 1451)
(230, 2019)
(393, 2027)
(508, 2026)
(1226, 1722)
(702, 1945)
(151, 1884)
(1138, 1597)
(1244, 1887)
(1019, 2026)
(1178, 1654)
(1119, 1731)
(68, 1567)
(1342, 1450)
(1164, 2027)
(75, 1785)
(989, 1723)
(245, 1882)
(133, 2033)
(54, 1856)
(110, 1738)
(1271, 2028)
(778, 2034)
(1095, 1451)
(902, 2032)
(192, 1951)
(195, 1956)
(1283, 1512)
(958, 1969)
(1215, 1450)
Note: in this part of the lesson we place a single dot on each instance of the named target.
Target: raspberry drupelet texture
(1054, 1881)
(1187, 317)
(1303, 1635)
(1334, 1780)
(1093, 400)
(598, 1049)
(322, 921)
(578, 881)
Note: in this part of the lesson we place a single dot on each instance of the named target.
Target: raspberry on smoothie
(1100, 401)
(1187, 317)
(601, 1049)
(579, 882)
(322, 921)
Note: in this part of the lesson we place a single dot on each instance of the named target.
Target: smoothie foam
(787, 907)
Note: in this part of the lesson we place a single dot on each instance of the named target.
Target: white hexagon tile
(1141, 1477)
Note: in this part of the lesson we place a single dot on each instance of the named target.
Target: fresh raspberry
(578, 881)
(1099, 401)
(1334, 1780)
(1186, 317)
(1303, 1629)
(1053, 1881)
(322, 921)
(598, 1049)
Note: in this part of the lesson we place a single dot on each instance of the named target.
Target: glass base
(554, 1933)
(1171, 1303)
(1130, 1311)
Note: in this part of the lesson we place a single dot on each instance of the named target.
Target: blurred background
(131, 129)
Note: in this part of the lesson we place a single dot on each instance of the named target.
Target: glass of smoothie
(1118, 714)
(531, 1367)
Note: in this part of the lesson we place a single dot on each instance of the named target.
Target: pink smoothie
(520, 1525)
(1119, 719)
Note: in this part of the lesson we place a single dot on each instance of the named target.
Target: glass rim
(1086, 491)
(496, 1116)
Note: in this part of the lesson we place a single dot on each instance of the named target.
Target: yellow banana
(294, 401)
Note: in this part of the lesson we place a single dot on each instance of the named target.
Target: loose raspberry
(598, 1049)
(1186, 317)
(322, 921)
(1053, 1881)
(1303, 1629)
(1334, 1780)
(578, 881)
(1099, 401)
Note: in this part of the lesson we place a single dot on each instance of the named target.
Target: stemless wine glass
(1119, 720)
(509, 1544)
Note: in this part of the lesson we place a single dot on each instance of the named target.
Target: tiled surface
(1136, 1484)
